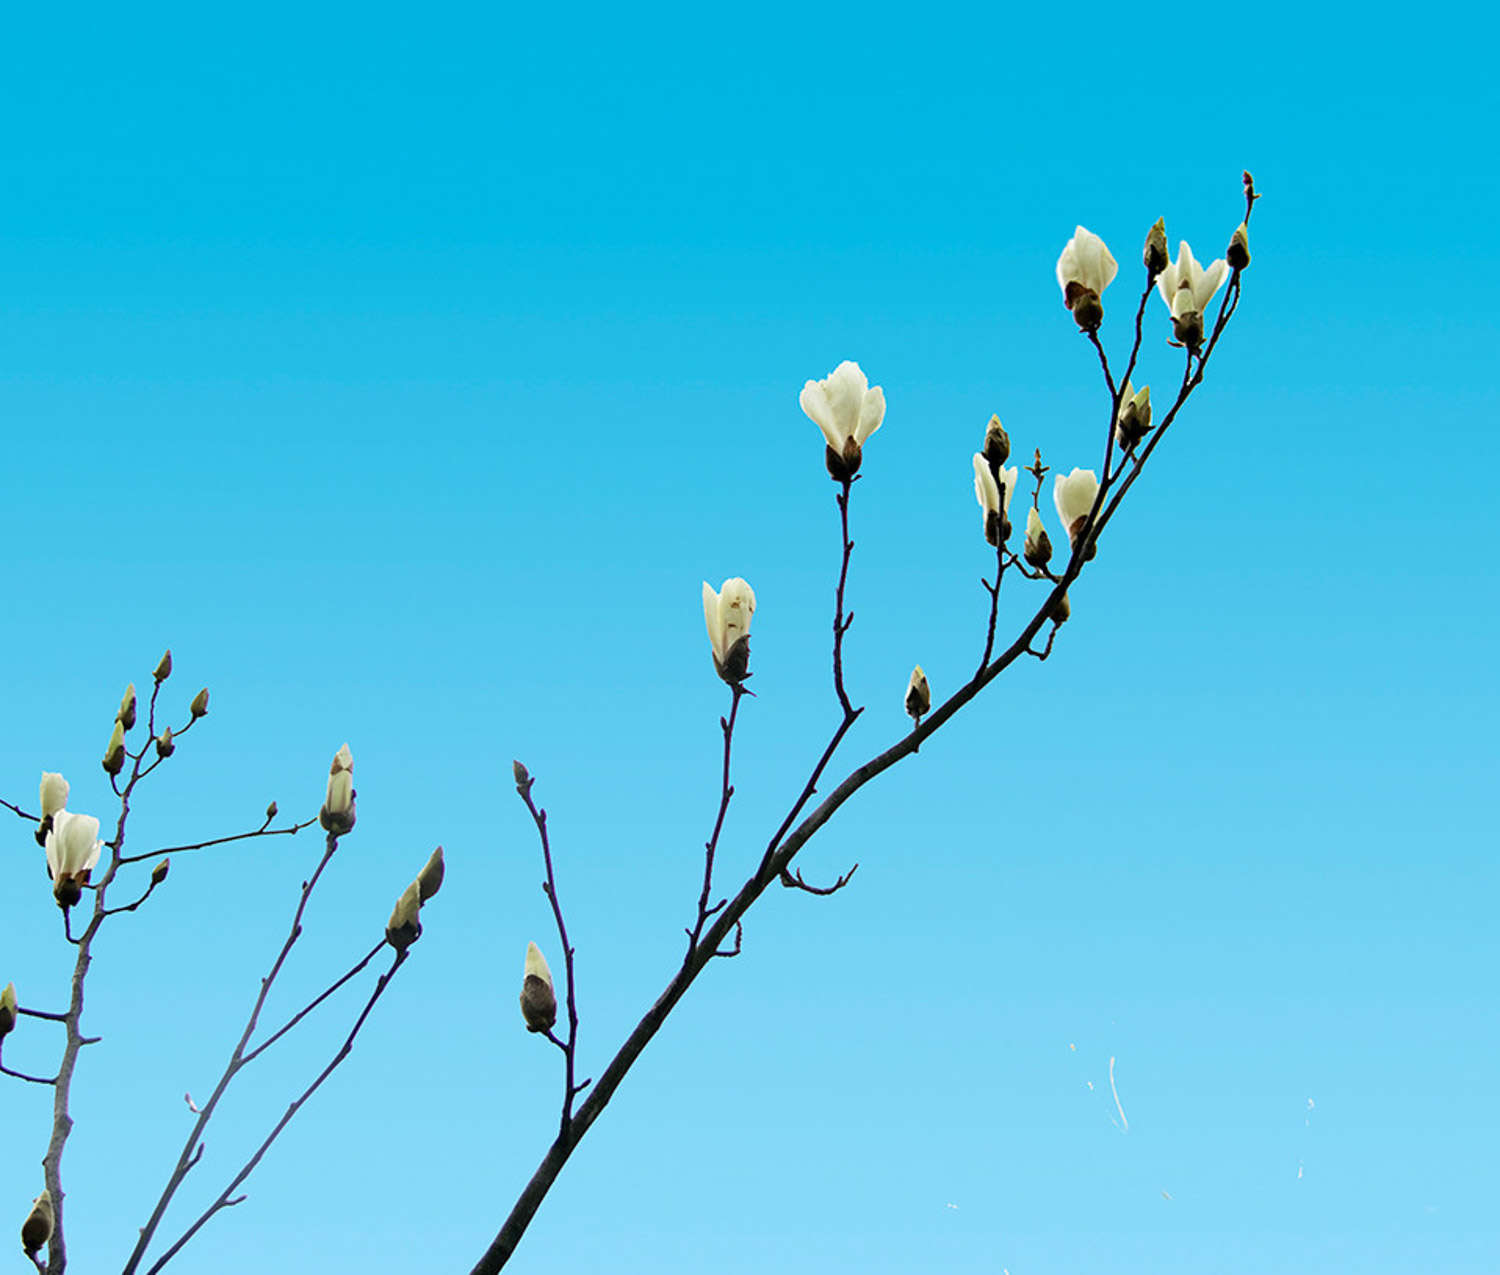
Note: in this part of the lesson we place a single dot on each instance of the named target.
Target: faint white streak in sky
(1166, 1195)
(1072, 1046)
(1307, 1119)
(951, 1206)
(1299, 1170)
(1124, 1123)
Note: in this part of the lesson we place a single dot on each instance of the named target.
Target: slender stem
(989, 641)
(840, 623)
(310, 1006)
(265, 830)
(726, 791)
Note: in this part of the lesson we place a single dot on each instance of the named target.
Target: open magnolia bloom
(727, 614)
(1084, 270)
(1187, 288)
(995, 510)
(1074, 495)
(848, 409)
(538, 1000)
(73, 848)
(1133, 421)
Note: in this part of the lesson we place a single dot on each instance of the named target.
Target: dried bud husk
(843, 465)
(918, 694)
(996, 443)
(1155, 255)
(159, 872)
(523, 776)
(1238, 253)
(164, 667)
(7, 1009)
(164, 745)
(405, 927)
(126, 715)
(430, 878)
(538, 1000)
(199, 706)
(114, 754)
(37, 1229)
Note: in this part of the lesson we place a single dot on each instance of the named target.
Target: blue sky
(406, 371)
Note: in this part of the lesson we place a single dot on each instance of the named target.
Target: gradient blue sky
(406, 370)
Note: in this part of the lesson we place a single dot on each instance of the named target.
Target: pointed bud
(538, 1000)
(523, 776)
(1238, 254)
(37, 1229)
(126, 715)
(114, 754)
(918, 695)
(337, 815)
(1133, 421)
(1038, 547)
(1061, 610)
(7, 1009)
(1155, 256)
(164, 667)
(53, 793)
(159, 872)
(199, 706)
(430, 878)
(270, 812)
(164, 745)
(405, 928)
(996, 444)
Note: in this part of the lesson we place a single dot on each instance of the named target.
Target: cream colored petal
(871, 413)
(711, 618)
(1012, 478)
(1209, 282)
(815, 403)
(536, 964)
(985, 490)
(53, 793)
(846, 396)
(736, 607)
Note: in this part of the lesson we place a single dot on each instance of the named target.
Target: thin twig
(265, 830)
(726, 791)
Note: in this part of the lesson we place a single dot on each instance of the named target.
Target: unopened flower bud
(1155, 255)
(727, 614)
(430, 878)
(199, 706)
(523, 776)
(1187, 322)
(271, 812)
(1084, 270)
(163, 667)
(53, 793)
(1061, 610)
(993, 489)
(1074, 496)
(918, 695)
(126, 715)
(1238, 253)
(37, 1229)
(996, 443)
(405, 928)
(1038, 547)
(114, 754)
(1133, 421)
(159, 872)
(538, 1000)
(337, 815)
(7, 1009)
(164, 745)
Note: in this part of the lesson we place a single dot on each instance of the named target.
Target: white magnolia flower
(727, 614)
(1074, 496)
(1038, 547)
(848, 409)
(337, 815)
(1084, 270)
(73, 848)
(995, 512)
(54, 793)
(1187, 288)
(538, 1000)
(1133, 420)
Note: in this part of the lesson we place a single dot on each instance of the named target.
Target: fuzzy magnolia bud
(538, 1000)
(163, 667)
(405, 927)
(430, 878)
(1038, 547)
(727, 614)
(523, 776)
(337, 815)
(996, 443)
(918, 694)
(7, 1009)
(1238, 253)
(37, 1229)
(159, 872)
(1155, 255)
(199, 706)
(164, 745)
(1061, 610)
(1133, 421)
(114, 755)
(270, 812)
(126, 715)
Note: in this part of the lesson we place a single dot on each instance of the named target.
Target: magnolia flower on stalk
(73, 848)
(538, 1000)
(405, 928)
(37, 1229)
(7, 1009)
(994, 508)
(727, 614)
(848, 409)
(1133, 421)
(1187, 288)
(918, 695)
(337, 815)
(1038, 547)
(114, 754)
(1154, 255)
(1074, 496)
(126, 715)
(1084, 270)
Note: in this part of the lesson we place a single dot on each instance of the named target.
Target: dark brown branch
(994, 592)
(21, 1075)
(795, 881)
(17, 810)
(311, 1005)
(739, 938)
(841, 622)
(726, 791)
(131, 907)
(226, 1198)
(265, 830)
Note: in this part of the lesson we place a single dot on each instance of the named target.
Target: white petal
(815, 403)
(1012, 481)
(536, 964)
(985, 490)
(1209, 282)
(871, 413)
(53, 793)
(711, 618)
(736, 607)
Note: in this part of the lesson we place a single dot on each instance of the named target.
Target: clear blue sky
(406, 369)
